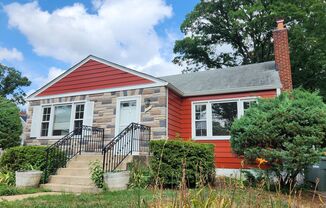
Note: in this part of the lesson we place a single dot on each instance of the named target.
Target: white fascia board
(89, 92)
(172, 87)
(103, 61)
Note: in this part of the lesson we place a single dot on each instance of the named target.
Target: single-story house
(200, 105)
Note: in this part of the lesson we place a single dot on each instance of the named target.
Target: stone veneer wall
(105, 110)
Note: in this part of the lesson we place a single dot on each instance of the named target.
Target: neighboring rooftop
(261, 76)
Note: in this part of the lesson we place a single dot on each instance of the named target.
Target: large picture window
(213, 119)
(223, 114)
(61, 123)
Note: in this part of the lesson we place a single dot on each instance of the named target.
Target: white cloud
(54, 72)
(10, 54)
(121, 31)
(39, 81)
(97, 4)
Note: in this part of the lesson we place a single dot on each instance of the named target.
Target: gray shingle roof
(261, 76)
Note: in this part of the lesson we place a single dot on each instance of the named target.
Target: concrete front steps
(76, 176)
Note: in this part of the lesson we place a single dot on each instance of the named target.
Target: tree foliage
(11, 83)
(10, 124)
(288, 132)
(227, 33)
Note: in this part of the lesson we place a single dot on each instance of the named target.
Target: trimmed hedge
(169, 158)
(17, 158)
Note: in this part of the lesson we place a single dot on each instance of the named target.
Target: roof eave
(232, 90)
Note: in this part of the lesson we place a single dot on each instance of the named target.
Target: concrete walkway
(25, 196)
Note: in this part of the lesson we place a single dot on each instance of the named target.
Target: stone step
(78, 164)
(74, 171)
(71, 188)
(71, 180)
(88, 157)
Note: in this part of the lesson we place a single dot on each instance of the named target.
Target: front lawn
(128, 198)
(11, 190)
(215, 197)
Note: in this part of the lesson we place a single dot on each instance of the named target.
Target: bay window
(213, 119)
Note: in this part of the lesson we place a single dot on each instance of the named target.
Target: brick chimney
(282, 55)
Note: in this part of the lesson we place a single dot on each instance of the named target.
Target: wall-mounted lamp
(148, 105)
(147, 102)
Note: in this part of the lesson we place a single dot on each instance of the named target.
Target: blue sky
(43, 38)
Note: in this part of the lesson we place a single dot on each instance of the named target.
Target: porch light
(147, 102)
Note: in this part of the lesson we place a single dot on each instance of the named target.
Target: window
(45, 121)
(201, 120)
(59, 120)
(223, 114)
(61, 123)
(213, 119)
(79, 116)
(248, 103)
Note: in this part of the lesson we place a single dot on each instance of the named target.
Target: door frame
(117, 115)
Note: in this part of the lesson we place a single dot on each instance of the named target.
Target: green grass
(217, 197)
(11, 190)
(123, 199)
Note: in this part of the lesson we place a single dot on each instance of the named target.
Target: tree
(10, 124)
(11, 83)
(245, 28)
(288, 132)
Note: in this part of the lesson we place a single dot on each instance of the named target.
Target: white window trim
(117, 114)
(51, 122)
(209, 116)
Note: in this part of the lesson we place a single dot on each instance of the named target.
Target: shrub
(25, 157)
(7, 178)
(170, 158)
(140, 175)
(287, 133)
(10, 124)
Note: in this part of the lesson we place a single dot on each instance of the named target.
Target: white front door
(128, 111)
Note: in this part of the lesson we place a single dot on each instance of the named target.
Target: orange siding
(224, 158)
(93, 75)
(174, 114)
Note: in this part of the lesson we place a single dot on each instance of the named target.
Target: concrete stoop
(76, 176)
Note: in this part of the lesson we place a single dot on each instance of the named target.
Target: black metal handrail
(134, 138)
(81, 139)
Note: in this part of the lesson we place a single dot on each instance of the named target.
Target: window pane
(78, 124)
(79, 111)
(44, 129)
(61, 122)
(223, 114)
(200, 112)
(201, 128)
(247, 104)
(200, 120)
(46, 114)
